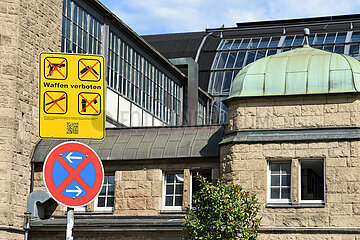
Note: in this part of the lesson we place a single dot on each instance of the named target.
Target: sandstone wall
(294, 112)
(26, 29)
(139, 187)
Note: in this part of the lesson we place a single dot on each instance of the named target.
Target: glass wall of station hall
(235, 53)
(130, 74)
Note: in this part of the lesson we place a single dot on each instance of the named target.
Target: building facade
(222, 52)
(292, 135)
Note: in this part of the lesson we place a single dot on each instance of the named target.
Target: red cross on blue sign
(73, 174)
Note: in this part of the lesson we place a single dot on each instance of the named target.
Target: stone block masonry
(26, 29)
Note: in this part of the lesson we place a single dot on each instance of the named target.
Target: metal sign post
(69, 223)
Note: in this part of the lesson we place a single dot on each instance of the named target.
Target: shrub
(221, 211)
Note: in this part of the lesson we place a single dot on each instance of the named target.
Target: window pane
(312, 180)
(169, 189)
(179, 178)
(264, 42)
(110, 202)
(250, 57)
(319, 38)
(271, 52)
(169, 201)
(111, 190)
(244, 44)
(328, 48)
(340, 38)
(170, 178)
(178, 201)
(254, 43)
(274, 42)
(298, 41)
(275, 168)
(240, 60)
(330, 38)
(275, 193)
(103, 190)
(227, 82)
(227, 44)
(275, 180)
(222, 60)
(339, 49)
(236, 44)
(288, 41)
(260, 54)
(101, 201)
(179, 189)
(355, 37)
(354, 51)
(218, 82)
(285, 180)
(231, 60)
(285, 168)
(285, 193)
(111, 179)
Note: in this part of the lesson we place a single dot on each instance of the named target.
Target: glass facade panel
(78, 33)
(129, 73)
(244, 51)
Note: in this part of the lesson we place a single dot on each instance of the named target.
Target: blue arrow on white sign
(74, 158)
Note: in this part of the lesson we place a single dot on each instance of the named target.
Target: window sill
(290, 205)
(94, 213)
(172, 211)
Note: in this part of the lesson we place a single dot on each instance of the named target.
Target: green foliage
(221, 211)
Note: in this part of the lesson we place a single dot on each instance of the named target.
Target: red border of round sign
(49, 164)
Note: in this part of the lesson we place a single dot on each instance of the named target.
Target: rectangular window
(174, 191)
(105, 200)
(312, 181)
(279, 182)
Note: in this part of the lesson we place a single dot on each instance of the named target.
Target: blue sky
(169, 16)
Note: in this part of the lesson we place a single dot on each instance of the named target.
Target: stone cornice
(292, 135)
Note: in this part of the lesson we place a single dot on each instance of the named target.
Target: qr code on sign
(72, 128)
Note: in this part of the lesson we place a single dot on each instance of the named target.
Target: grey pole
(69, 223)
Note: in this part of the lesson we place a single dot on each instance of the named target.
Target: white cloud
(163, 16)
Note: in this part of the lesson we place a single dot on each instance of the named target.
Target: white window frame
(311, 201)
(269, 199)
(96, 200)
(173, 208)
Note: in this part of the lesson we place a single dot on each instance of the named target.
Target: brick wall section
(26, 29)
(294, 112)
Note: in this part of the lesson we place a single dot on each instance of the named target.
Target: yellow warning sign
(55, 102)
(89, 103)
(71, 96)
(89, 69)
(55, 68)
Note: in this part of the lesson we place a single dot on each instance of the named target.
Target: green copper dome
(304, 70)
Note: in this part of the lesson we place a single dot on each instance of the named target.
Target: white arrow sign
(70, 158)
(78, 191)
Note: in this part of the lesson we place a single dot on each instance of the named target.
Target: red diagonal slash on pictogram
(89, 69)
(89, 103)
(73, 174)
(55, 68)
(55, 102)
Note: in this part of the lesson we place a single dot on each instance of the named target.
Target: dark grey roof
(149, 143)
(179, 45)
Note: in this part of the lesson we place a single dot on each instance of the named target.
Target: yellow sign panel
(71, 96)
